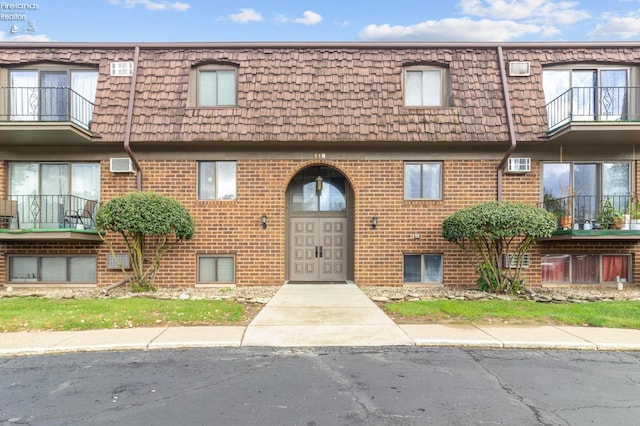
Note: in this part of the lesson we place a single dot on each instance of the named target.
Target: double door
(318, 249)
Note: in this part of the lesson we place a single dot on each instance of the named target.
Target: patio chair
(9, 211)
(82, 216)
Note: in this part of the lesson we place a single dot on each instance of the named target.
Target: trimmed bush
(492, 231)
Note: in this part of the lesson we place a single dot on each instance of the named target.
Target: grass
(612, 314)
(35, 313)
(32, 313)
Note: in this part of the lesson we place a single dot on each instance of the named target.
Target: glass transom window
(319, 189)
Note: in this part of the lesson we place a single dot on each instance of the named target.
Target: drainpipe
(512, 133)
(127, 128)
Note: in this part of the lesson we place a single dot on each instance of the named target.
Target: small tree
(491, 230)
(147, 222)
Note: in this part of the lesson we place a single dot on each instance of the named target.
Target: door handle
(316, 251)
(320, 251)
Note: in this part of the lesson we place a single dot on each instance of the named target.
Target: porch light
(319, 184)
(374, 222)
(264, 221)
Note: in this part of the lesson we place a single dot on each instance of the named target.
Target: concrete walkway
(322, 315)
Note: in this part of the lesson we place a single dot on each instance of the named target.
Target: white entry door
(318, 249)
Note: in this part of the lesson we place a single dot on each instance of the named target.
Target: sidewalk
(319, 316)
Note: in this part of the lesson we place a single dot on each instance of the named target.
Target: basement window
(585, 268)
(216, 269)
(52, 269)
(422, 268)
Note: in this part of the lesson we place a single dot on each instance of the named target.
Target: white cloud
(528, 11)
(454, 29)
(617, 27)
(153, 5)
(309, 17)
(24, 37)
(246, 15)
(488, 20)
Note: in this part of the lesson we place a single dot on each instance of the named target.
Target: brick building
(323, 162)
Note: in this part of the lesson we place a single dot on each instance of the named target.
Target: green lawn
(614, 314)
(30, 313)
(33, 313)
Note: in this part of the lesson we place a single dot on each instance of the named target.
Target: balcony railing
(45, 104)
(50, 212)
(592, 212)
(593, 104)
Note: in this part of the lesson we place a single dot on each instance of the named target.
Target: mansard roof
(319, 91)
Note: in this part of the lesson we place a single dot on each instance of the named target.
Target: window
(422, 268)
(586, 94)
(55, 94)
(216, 87)
(217, 180)
(216, 269)
(319, 189)
(589, 184)
(45, 191)
(585, 268)
(423, 181)
(427, 86)
(52, 269)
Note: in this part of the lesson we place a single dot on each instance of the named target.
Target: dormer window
(427, 86)
(216, 86)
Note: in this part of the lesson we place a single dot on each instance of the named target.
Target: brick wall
(3, 193)
(234, 227)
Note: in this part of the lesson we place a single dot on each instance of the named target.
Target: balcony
(38, 114)
(590, 114)
(591, 217)
(48, 217)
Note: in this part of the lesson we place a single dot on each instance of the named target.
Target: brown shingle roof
(319, 94)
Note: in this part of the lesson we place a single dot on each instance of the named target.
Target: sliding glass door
(46, 191)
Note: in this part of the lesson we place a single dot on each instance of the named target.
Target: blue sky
(328, 20)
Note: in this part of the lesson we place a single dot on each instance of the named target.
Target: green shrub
(492, 230)
(150, 225)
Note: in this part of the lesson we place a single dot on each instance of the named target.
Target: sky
(316, 20)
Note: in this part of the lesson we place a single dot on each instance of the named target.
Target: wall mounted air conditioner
(519, 165)
(121, 165)
(519, 69)
(121, 69)
(511, 260)
(114, 262)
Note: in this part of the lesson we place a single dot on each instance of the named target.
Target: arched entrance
(320, 231)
